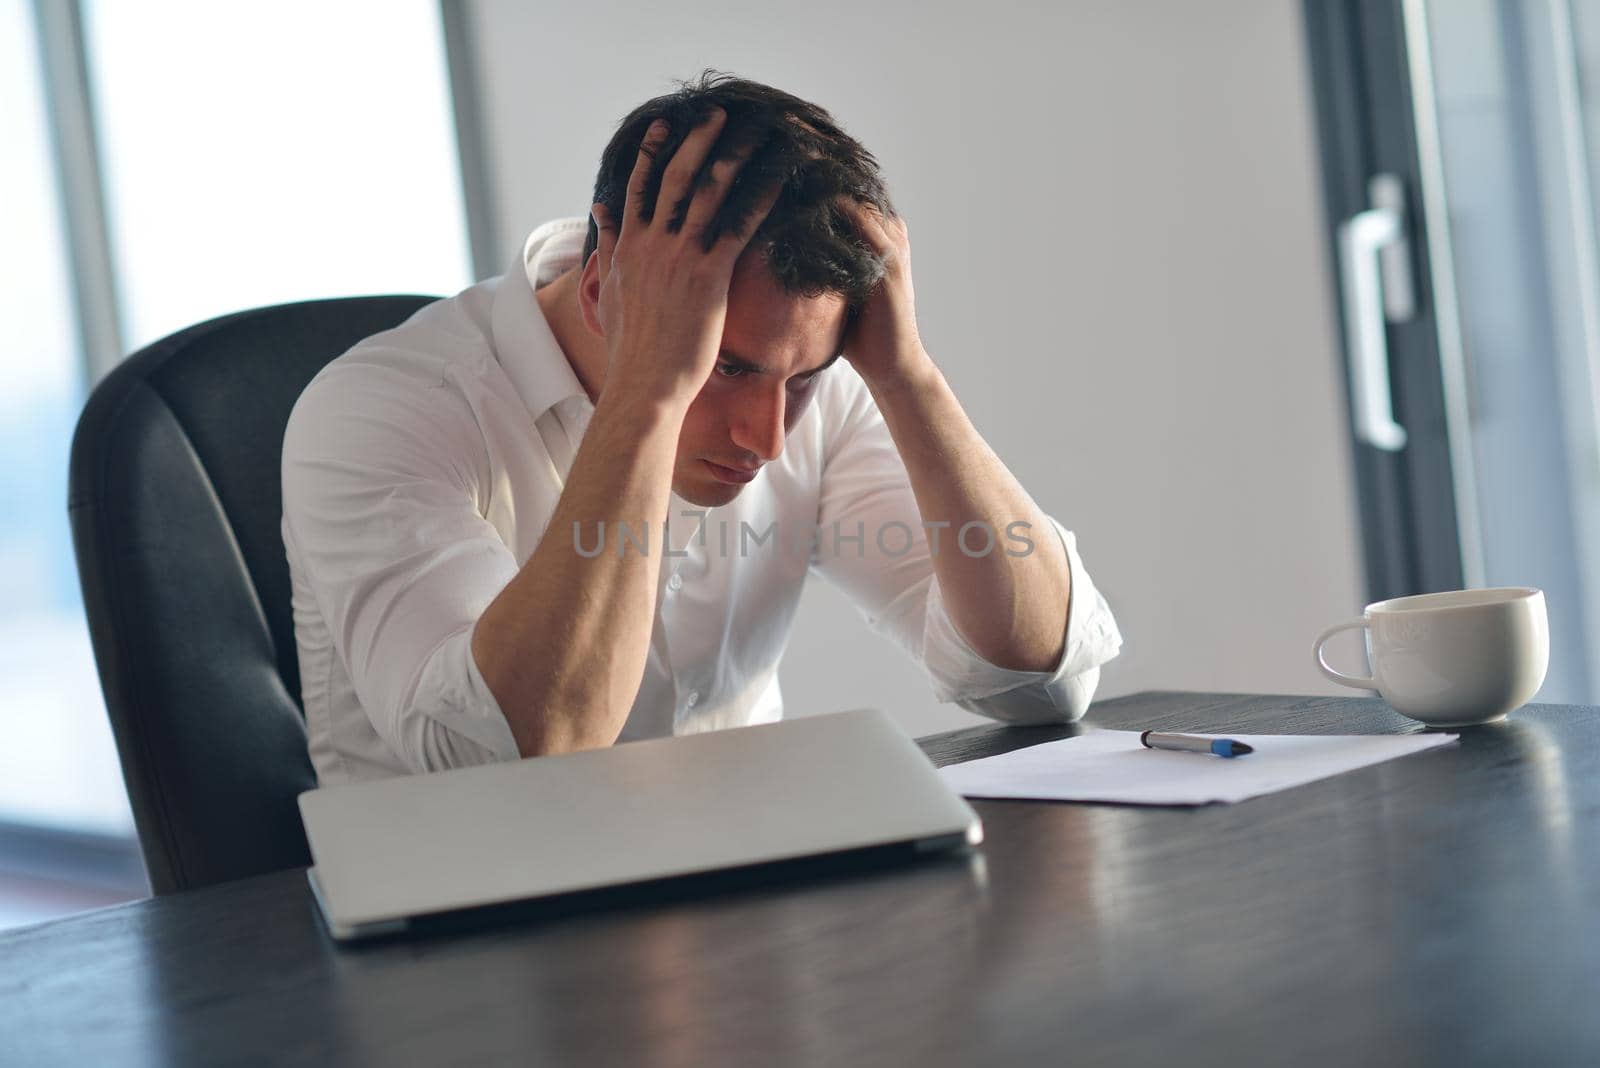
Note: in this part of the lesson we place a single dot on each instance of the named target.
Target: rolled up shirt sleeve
(866, 490)
(961, 676)
(382, 485)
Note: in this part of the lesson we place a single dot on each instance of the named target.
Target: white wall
(1120, 265)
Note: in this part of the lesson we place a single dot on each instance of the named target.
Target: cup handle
(1345, 680)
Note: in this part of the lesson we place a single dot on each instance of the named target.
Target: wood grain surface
(1443, 908)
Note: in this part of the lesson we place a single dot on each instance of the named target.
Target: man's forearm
(563, 646)
(1012, 610)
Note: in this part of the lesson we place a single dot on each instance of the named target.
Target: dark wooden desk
(1439, 909)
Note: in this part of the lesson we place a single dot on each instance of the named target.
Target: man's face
(773, 346)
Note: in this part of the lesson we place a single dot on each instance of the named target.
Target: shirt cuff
(962, 676)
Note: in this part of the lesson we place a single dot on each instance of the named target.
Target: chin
(706, 493)
(707, 496)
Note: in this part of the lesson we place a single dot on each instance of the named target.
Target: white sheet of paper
(1105, 765)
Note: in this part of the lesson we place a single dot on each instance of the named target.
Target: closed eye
(733, 370)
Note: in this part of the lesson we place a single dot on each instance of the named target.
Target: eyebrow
(729, 357)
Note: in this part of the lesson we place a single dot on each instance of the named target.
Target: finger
(637, 206)
(736, 238)
(678, 181)
(712, 190)
(607, 231)
(869, 225)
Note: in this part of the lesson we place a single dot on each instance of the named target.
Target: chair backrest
(175, 501)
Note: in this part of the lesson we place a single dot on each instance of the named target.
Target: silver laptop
(404, 851)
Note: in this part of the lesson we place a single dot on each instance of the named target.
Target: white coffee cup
(1452, 659)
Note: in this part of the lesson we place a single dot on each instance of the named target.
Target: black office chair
(175, 502)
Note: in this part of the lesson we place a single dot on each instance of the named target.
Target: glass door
(1459, 141)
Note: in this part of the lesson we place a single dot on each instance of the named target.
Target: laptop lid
(389, 851)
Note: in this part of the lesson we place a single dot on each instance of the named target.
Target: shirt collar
(523, 341)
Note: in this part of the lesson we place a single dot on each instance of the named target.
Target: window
(58, 765)
(249, 155)
(255, 154)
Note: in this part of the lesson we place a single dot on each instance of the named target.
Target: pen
(1190, 743)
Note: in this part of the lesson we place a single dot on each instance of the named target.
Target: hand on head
(664, 274)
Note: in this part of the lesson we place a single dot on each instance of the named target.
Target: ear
(589, 294)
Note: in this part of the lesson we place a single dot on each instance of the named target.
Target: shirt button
(693, 698)
(675, 583)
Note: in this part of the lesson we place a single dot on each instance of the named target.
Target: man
(576, 504)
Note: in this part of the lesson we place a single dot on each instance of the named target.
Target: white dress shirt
(421, 468)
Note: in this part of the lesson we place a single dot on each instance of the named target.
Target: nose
(758, 427)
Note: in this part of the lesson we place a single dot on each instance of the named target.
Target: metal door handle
(1375, 268)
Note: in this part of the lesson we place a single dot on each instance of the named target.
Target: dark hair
(810, 246)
